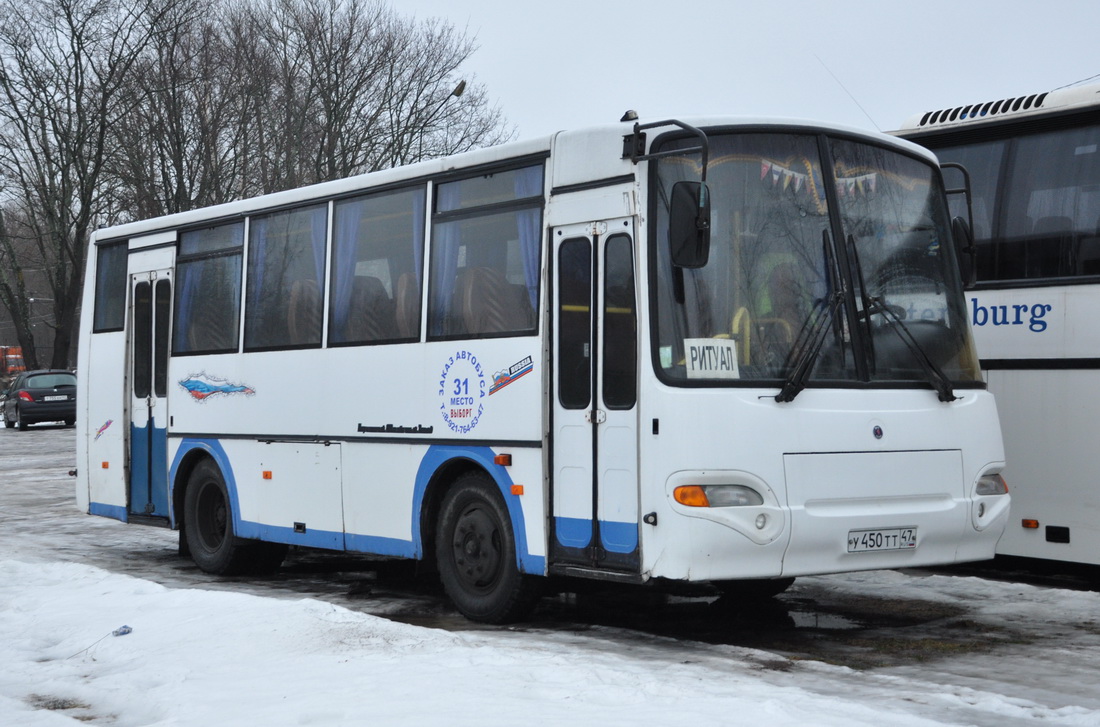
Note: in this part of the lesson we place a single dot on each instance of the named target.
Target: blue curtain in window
(446, 240)
(257, 254)
(345, 247)
(318, 235)
(189, 289)
(528, 184)
(418, 233)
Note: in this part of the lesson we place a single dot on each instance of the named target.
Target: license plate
(862, 541)
(55, 398)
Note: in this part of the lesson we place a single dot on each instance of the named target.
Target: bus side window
(286, 260)
(208, 290)
(110, 287)
(485, 255)
(484, 276)
(378, 245)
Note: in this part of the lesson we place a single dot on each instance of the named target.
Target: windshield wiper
(808, 345)
(939, 380)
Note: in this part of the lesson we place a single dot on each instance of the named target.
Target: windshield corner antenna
(845, 88)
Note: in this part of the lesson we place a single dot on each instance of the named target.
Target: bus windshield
(842, 267)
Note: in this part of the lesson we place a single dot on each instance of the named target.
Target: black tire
(755, 588)
(476, 554)
(20, 423)
(70, 422)
(208, 526)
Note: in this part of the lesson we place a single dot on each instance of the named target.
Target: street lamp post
(458, 91)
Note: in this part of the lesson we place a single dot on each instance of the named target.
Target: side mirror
(964, 248)
(689, 224)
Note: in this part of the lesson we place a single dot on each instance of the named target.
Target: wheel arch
(435, 489)
(440, 467)
(190, 454)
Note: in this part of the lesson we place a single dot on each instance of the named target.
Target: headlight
(992, 485)
(717, 496)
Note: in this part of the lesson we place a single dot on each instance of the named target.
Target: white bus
(560, 357)
(1034, 169)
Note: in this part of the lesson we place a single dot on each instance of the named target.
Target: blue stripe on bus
(433, 459)
(378, 545)
(327, 539)
(439, 455)
(118, 512)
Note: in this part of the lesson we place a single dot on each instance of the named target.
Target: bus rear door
(150, 322)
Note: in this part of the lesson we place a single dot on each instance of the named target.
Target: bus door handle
(595, 416)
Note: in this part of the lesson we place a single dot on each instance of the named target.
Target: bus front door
(595, 439)
(150, 320)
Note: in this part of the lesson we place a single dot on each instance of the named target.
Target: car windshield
(49, 381)
(836, 267)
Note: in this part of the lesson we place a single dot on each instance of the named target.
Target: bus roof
(575, 146)
(1037, 104)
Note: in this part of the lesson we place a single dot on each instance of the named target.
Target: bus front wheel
(476, 554)
(208, 526)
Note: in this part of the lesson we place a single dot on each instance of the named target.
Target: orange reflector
(106, 465)
(504, 460)
(1030, 524)
(517, 489)
(691, 495)
(267, 474)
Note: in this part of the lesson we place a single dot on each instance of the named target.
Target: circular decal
(462, 387)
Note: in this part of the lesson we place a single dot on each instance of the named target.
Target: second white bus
(1034, 168)
(727, 351)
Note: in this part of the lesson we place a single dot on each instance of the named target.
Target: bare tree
(64, 65)
(112, 110)
(274, 94)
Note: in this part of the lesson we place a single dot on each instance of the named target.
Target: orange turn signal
(517, 489)
(504, 460)
(1030, 524)
(691, 495)
(106, 465)
(267, 474)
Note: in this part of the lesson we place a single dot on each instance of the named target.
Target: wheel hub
(476, 548)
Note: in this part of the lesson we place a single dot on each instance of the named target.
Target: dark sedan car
(40, 396)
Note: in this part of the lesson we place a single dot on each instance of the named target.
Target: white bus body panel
(825, 474)
(1047, 412)
(311, 475)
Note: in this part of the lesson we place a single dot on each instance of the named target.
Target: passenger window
(484, 267)
(286, 263)
(110, 288)
(378, 248)
(208, 290)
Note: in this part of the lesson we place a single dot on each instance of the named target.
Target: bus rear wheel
(208, 526)
(476, 554)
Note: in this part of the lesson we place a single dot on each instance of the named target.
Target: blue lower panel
(614, 537)
(573, 532)
(116, 512)
(619, 537)
(148, 470)
(380, 546)
(326, 539)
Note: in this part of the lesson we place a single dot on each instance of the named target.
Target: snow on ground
(219, 656)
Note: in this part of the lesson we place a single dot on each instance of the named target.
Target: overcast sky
(572, 63)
